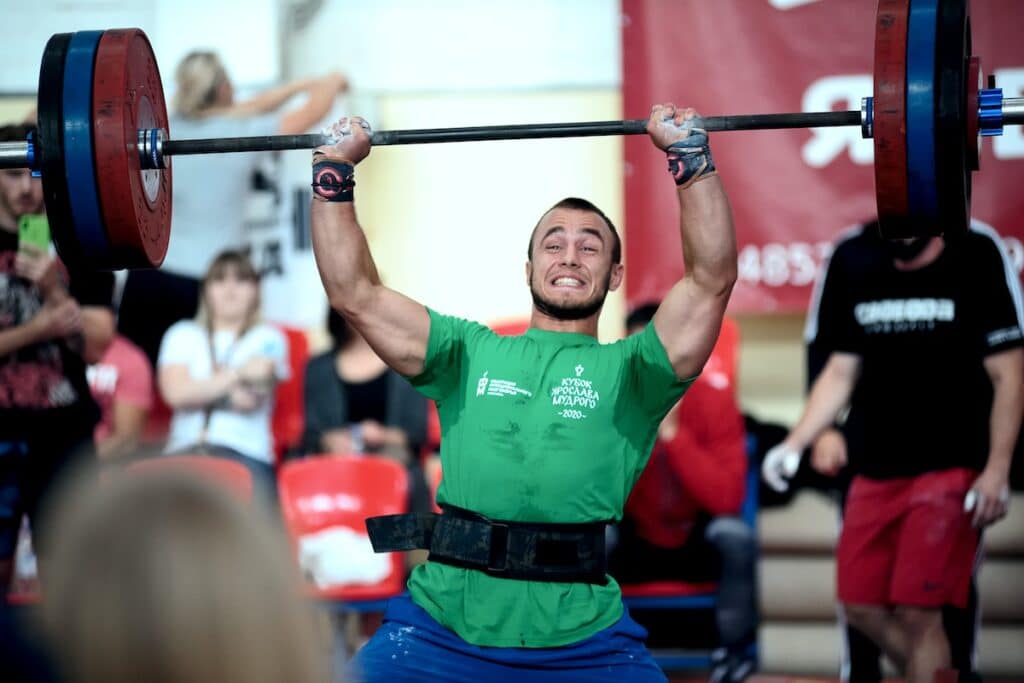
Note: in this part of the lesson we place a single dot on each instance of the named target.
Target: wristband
(689, 159)
(333, 179)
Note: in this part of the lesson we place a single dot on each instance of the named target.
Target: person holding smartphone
(47, 318)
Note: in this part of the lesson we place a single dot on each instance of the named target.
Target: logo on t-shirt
(499, 387)
(903, 315)
(102, 378)
(574, 394)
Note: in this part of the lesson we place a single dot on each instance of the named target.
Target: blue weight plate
(921, 176)
(79, 169)
(956, 77)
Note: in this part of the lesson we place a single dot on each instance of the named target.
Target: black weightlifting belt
(573, 553)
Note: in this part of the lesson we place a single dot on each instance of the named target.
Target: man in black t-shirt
(924, 347)
(47, 413)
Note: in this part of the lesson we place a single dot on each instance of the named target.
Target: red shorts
(907, 541)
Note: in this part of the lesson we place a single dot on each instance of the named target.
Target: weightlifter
(544, 434)
(923, 343)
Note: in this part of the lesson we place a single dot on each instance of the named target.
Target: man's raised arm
(690, 316)
(395, 326)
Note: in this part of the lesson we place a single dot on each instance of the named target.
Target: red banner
(792, 191)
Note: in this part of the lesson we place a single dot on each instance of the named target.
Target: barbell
(103, 149)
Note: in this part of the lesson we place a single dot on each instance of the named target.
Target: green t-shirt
(544, 427)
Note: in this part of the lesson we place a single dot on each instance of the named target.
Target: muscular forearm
(830, 393)
(709, 241)
(342, 255)
(1004, 423)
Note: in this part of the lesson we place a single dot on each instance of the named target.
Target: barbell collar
(867, 117)
(990, 111)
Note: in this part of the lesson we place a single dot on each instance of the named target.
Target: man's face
(571, 271)
(20, 194)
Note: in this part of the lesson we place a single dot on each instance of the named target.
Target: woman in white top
(209, 189)
(218, 371)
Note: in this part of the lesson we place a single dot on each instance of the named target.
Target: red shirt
(702, 469)
(122, 375)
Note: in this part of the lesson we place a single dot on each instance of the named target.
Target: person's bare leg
(928, 648)
(881, 625)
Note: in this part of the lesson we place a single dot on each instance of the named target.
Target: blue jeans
(412, 646)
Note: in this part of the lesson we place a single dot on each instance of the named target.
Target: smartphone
(35, 230)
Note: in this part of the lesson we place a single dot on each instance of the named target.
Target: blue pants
(411, 646)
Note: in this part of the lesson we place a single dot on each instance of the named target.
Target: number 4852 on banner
(780, 265)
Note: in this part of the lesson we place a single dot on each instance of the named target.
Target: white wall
(448, 224)
(244, 32)
(407, 46)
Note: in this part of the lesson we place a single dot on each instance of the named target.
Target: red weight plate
(890, 111)
(127, 97)
(975, 79)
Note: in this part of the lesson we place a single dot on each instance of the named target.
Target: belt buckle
(498, 557)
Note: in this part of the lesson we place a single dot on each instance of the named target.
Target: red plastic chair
(289, 411)
(343, 490)
(234, 476)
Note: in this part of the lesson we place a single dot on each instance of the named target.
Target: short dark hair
(578, 204)
(641, 315)
(16, 132)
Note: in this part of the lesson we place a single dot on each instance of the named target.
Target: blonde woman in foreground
(166, 578)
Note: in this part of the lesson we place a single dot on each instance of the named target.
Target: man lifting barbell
(104, 132)
(544, 434)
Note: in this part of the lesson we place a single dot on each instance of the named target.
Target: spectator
(121, 381)
(47, 415)
(681, 522)
(355, 403)
(828, 459)
(900, 327)
(166, 577)
(218, 372)
(209, 191)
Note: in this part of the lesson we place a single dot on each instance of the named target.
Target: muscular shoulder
(454, 330)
